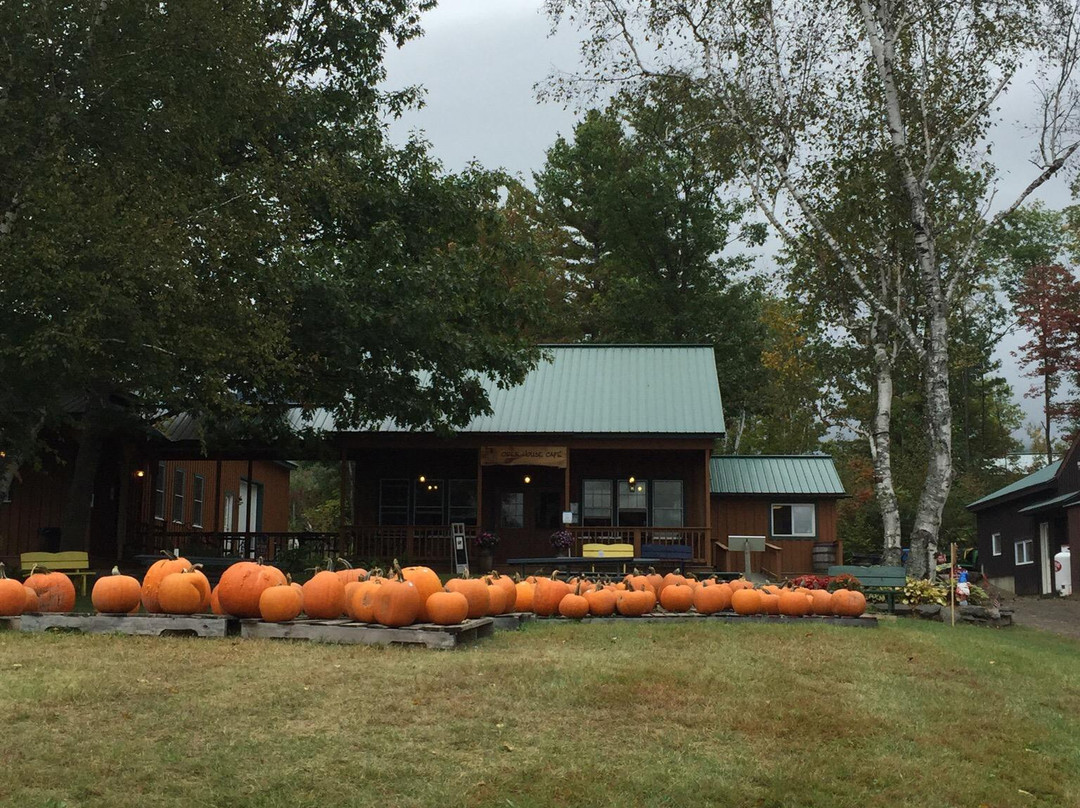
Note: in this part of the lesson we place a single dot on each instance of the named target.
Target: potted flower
(562, 540)
(485, 546)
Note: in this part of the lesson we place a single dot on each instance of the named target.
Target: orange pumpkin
(55, 591)
(447, 608)
(746, 601)
(525, 592)
(507, 584)
(677, 597)
(549, 594)
(601, 601)
(475, 591)
(821, 602)
(12, 595)
(324, 596)
(397, 601)
(350, 573)
(361, 605)
(243, 583)
(280, 603)
(574, 605)
(655, 579)
(186, 592)
(116, 593)
(770, 603)
(712, 598)
(215, 602)
(793, 604)
(849, 603)
(634, 602)
(32, 604)
(427, 583)
(156, 574)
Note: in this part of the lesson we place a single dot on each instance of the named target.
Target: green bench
(877, 580)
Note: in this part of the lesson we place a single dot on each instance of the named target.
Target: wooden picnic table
(589, 563)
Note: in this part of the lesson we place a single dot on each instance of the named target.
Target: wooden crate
(513, 621)
(346, 631)
(196, 625)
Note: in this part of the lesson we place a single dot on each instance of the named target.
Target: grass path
(910, 714)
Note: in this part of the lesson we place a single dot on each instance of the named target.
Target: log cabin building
(1021, 527)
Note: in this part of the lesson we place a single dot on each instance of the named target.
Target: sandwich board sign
(461, 547)
(748, 545)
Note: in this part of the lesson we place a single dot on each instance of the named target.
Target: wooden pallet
(731, 617)
(513, 621)
(9, 623)
(346, 631)
(196, 625)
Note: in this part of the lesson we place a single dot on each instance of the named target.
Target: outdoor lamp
(528, 479)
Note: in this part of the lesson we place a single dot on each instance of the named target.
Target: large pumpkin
(242, 584)
(574, 605)
(848, 603)
(55, 591)
(677, 597)
(601, 601)
(350, 573)
(324, 596)
(821, 602)
(281, 603)
(215, 602)
(361, 605)
(397, 601)
(746, 601)
(549, 594)
(12, 595)
(156, 574)
(508, 586)
(496, 599)
(635, 602)
(712, 598)
(793, 604)
(186, 592)
(427, 583)
(116, 593)
(32, 604)
(770, 603)
(475, 591)
(525, 594)
(447, 608)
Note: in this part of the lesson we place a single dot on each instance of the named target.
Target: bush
(919, 591)
(845, 581)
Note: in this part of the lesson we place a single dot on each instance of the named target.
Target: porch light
(140, 473)
(632, 480)
(528, 479)
(423, 479)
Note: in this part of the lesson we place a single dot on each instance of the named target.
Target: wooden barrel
(824, 556)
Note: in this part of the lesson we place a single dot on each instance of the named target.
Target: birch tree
(921, 81)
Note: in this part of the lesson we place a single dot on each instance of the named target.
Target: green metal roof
(776, 474)
(599, 389)
(1063, 499)
(1043, 476)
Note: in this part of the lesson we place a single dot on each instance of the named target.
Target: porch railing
(418, 544)
(218, 544)
(696, 538)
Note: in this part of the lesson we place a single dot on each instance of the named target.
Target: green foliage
(920, 591)
(314, 497)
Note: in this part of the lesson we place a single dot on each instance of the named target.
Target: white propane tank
(1063, 572)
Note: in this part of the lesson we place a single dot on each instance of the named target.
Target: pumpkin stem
(344, 563)
(397, 571)
(168, 555)
(554, 575)
(115, 570)
(652, 571)
(630, 585)
(3, 574)
(517, 577)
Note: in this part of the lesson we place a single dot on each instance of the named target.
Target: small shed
(789, 499)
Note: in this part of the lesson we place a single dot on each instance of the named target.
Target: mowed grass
(909, 714)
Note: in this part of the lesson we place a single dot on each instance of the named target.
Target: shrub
(845, 581)
(919, 591)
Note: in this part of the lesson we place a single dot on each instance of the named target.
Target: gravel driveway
(1059, 615)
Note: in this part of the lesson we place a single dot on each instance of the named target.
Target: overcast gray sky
(479, 61)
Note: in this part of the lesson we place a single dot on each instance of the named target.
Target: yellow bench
(72, 563)
(597, 550)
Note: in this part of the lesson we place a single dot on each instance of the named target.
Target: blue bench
(668, 552)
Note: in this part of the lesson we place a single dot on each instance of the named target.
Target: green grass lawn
(910, 714)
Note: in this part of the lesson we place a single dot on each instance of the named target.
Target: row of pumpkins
(249, 589)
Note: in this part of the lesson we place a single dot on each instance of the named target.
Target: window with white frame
(198, 491)
(633, 503)
(393, 502)
(159, 491)
(178, 496)
(230, 512)
(995, 544)
(796, 519)
(461, 499)
(428, 498)
(596, 502)
(1023, 552)
(667, 503)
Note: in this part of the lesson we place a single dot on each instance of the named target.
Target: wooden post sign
(554, 456)
(748, 544)
(461, 547)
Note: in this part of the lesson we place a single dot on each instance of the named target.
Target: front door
(1045, 559)
(524, 506)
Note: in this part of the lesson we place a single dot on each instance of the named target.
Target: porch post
(217, 499)
(479, 491)
(248, 546)
(566, 481)
(343, 481)
(708, 509)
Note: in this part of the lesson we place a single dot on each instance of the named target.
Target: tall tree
(1048, 308)
(200, 211)
(647, 239)
(919, 79)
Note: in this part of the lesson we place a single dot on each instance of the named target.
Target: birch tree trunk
(881, 448)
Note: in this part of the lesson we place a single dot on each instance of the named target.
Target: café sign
(523, 456)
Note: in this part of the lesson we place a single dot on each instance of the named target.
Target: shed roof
(1061, 500)
(813, 474)
(1043, 476)
(597, 389)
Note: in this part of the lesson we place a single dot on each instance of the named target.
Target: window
(793, 520)
(428, 502)
(393, 502)
(198, 489)
(230, 510)
(1022, 551)
(462, 501)
(178, 496)
(667, 503)
(995, 544)
(159, 492)
(512, 509)
(633, 503)
(596, 502)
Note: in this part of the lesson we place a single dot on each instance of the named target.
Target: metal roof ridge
(624, 345)
(811, 456)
